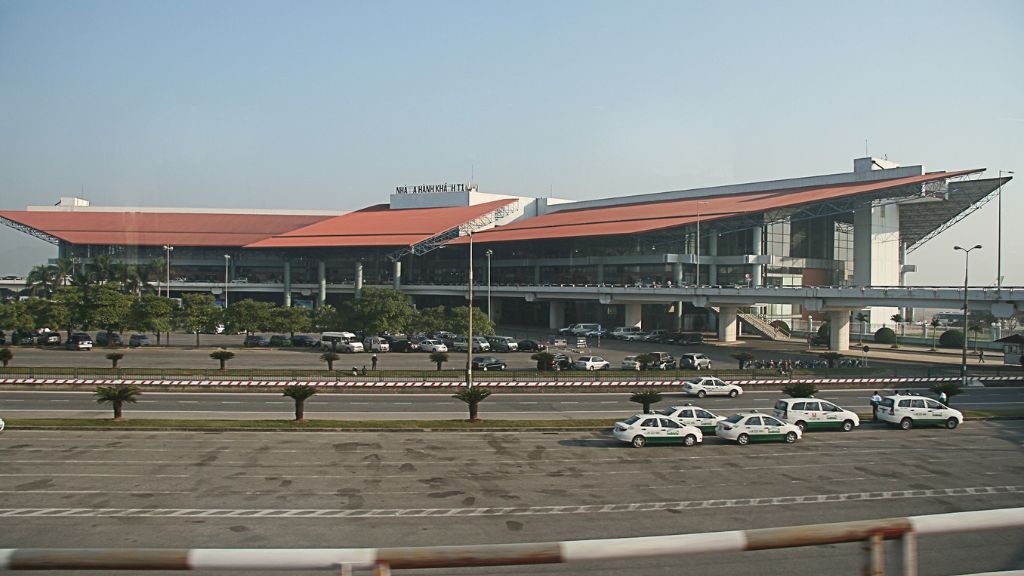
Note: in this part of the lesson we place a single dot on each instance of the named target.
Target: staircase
(759, 326)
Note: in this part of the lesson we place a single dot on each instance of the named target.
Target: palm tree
(472, 396)
(898, 319)
(114, 358)
(935, 323)
(299, 393)
(438, 358)
(863, 319)
(42, 280)
(330, 358)
(223, 356)
(646, 398)
(976, 330)
(742, 358)
(101, 269)
(6, 355)
(117, 395)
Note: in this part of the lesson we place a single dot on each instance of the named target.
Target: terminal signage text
(435, 188)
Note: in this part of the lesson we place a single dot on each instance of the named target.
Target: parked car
(592, 363)
(486, 363)
(662, 361)
(22, 337)
(376, 344)
(280, 341)
(690, 339)
(79, 341)
(748, 427)
(814, 414)
(531, 346)
(621, 332)
(1, 424)
(480, 344)
(630, 363)
(697, 361)
(907, 411)
(255, 341)
(48, 338)
(581, 329)
(653, 335)
(137, 340)
(692, 415)
(503, 343)
(108, 339)
(340, 342)
(401, 345)
(433, 346)
(643, 429)
(304, 341)
(559, 361)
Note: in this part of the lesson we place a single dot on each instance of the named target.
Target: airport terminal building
(849, 229)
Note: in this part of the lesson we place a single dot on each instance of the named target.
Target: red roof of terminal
(158, 228)
(657, 215)
(380, 226)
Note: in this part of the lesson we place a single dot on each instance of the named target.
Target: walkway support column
(839, 330)
(359, 279)
(600, 273)
(727, 323)
(321, 280)
(556, 315)
(634, 314)
(396, 274)
(287, 284)
(757, 273)
(677, 280)
(712, 253)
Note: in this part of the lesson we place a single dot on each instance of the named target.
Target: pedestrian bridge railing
(382, 560)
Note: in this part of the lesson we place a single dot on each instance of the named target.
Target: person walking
(876, 400)
(981, 356)
(373, 361)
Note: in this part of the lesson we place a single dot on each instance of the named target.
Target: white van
(340, 342)
(814, 414)
(624, 332)
(909, 411)
(376, 344)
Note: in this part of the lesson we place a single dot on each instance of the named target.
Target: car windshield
(631, 420)
(734, 418)
(667, 412)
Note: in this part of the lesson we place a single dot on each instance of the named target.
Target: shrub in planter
(885, 335)
(781, 326)
(951, 339)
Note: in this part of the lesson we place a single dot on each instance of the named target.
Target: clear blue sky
(333, 104)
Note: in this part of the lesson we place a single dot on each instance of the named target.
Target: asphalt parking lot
(263, 490)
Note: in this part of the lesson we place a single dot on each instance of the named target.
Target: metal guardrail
(382, 560)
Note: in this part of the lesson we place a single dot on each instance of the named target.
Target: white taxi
(642, 429)
(814, 414)
(909, 411)
(748, 427)
(710, 386)
(694, 416)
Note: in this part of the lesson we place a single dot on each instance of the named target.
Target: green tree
(951, 338)
(117, 395)
(431, 320)
(742, 358)
(110, 308)
(17, 316)
(114, 358)
(862, 318)
(42, 280)
(439, 358)
(380, 310)
(248, 316)
(472, 396)
(885, 335)
(935, 323)
(975, 329)
(458, 322)
(152, 313)
(950, 388)
(325, 318)
(543, 359)
(646, 398)
(330, 357)
(101, 269)
(645, 360)
(299, 393)
(290, 319)
(222, 356)
(198, 314)
(831, 358)
(800, 389)
(6, 355)
(898, 319)
(70, 308)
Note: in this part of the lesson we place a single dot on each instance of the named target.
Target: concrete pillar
(287, 284)
(757, 273)
(839, 330)
(536, 276)
(396, 274)
(712, 252)
(359, 279)
(727, 324)
(600, 273)
(556, 315)
(321, 279)
(634, 314)
(677, 280)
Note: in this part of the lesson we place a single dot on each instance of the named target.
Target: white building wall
(876, 261)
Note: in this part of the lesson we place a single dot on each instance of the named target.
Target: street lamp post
(963, 355)
(469, 313)
(999, 231)
(488, 253)
(167, 250)
(227, 258)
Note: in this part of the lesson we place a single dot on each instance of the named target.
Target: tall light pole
(227, 258)
(697, 283)
(167, 250)
(963, 355)
(469, 313)
(488, 253)
(999, 231)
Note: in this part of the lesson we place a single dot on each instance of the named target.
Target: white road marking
(97, 475)
(229, 402)
(505, 511)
